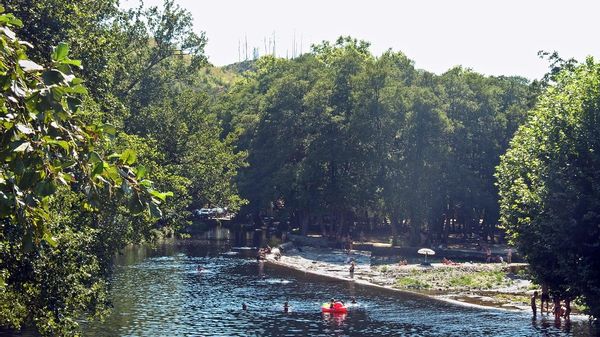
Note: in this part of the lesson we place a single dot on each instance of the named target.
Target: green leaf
(161, 196)
(109, 129)
(128, 157)
(45, 188)
(76, 63)
(98, 168)
(79, 89)
(146, 183)
(62, 143)
(94, 157)
(140, 172)
(60, 52)
(50, 239)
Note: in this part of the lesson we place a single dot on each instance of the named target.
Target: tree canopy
(548, 184)
(338, 137)
(92, 149)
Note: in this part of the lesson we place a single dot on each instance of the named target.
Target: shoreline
(333, 266)
(366, 283)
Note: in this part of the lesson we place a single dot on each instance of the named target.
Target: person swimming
(244, 306)
(353, 300)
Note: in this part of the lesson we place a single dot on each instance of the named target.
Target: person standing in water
(533, 306)
(244, 306)
(567, 309)
(545, 298)
(286, 306)
(352, 266)
(556, 308)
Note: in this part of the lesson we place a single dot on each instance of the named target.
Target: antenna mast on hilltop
(265, 42)
(246, 46)
(239, 51)
(294, 45)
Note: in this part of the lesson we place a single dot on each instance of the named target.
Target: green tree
(548, 183)
(52, 162)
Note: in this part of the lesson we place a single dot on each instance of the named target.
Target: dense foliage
(336, 138)
(548, 183)
(70, 195)
(339, 137)
(52, 159)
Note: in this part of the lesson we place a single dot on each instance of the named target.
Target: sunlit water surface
(160, 293)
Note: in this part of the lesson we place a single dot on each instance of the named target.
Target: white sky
(494, 37)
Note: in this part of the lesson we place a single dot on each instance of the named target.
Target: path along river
(159, 292)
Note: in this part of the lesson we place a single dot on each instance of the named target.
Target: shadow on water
(160, 292)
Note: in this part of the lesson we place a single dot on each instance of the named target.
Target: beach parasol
(426, 252)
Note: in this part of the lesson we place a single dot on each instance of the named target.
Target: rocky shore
(496, 285)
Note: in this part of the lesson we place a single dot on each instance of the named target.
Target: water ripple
(166, 296)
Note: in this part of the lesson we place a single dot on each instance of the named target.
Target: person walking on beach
(533, 307)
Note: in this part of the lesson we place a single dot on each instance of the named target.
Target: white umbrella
(426, 252)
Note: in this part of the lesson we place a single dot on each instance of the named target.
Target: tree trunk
(305, 221)
(394, 229)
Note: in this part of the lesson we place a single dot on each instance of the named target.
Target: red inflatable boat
(338, 308)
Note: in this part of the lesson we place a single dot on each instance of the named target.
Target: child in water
(533, 299)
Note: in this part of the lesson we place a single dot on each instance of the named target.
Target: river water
(159, 292)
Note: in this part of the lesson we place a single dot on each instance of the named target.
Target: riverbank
(496, 285)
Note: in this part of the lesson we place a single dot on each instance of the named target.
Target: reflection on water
(160, 293)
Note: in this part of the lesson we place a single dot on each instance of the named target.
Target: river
(159, 292)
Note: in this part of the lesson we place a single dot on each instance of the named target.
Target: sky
(493, 37)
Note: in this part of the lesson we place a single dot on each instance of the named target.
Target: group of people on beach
(559, 308)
